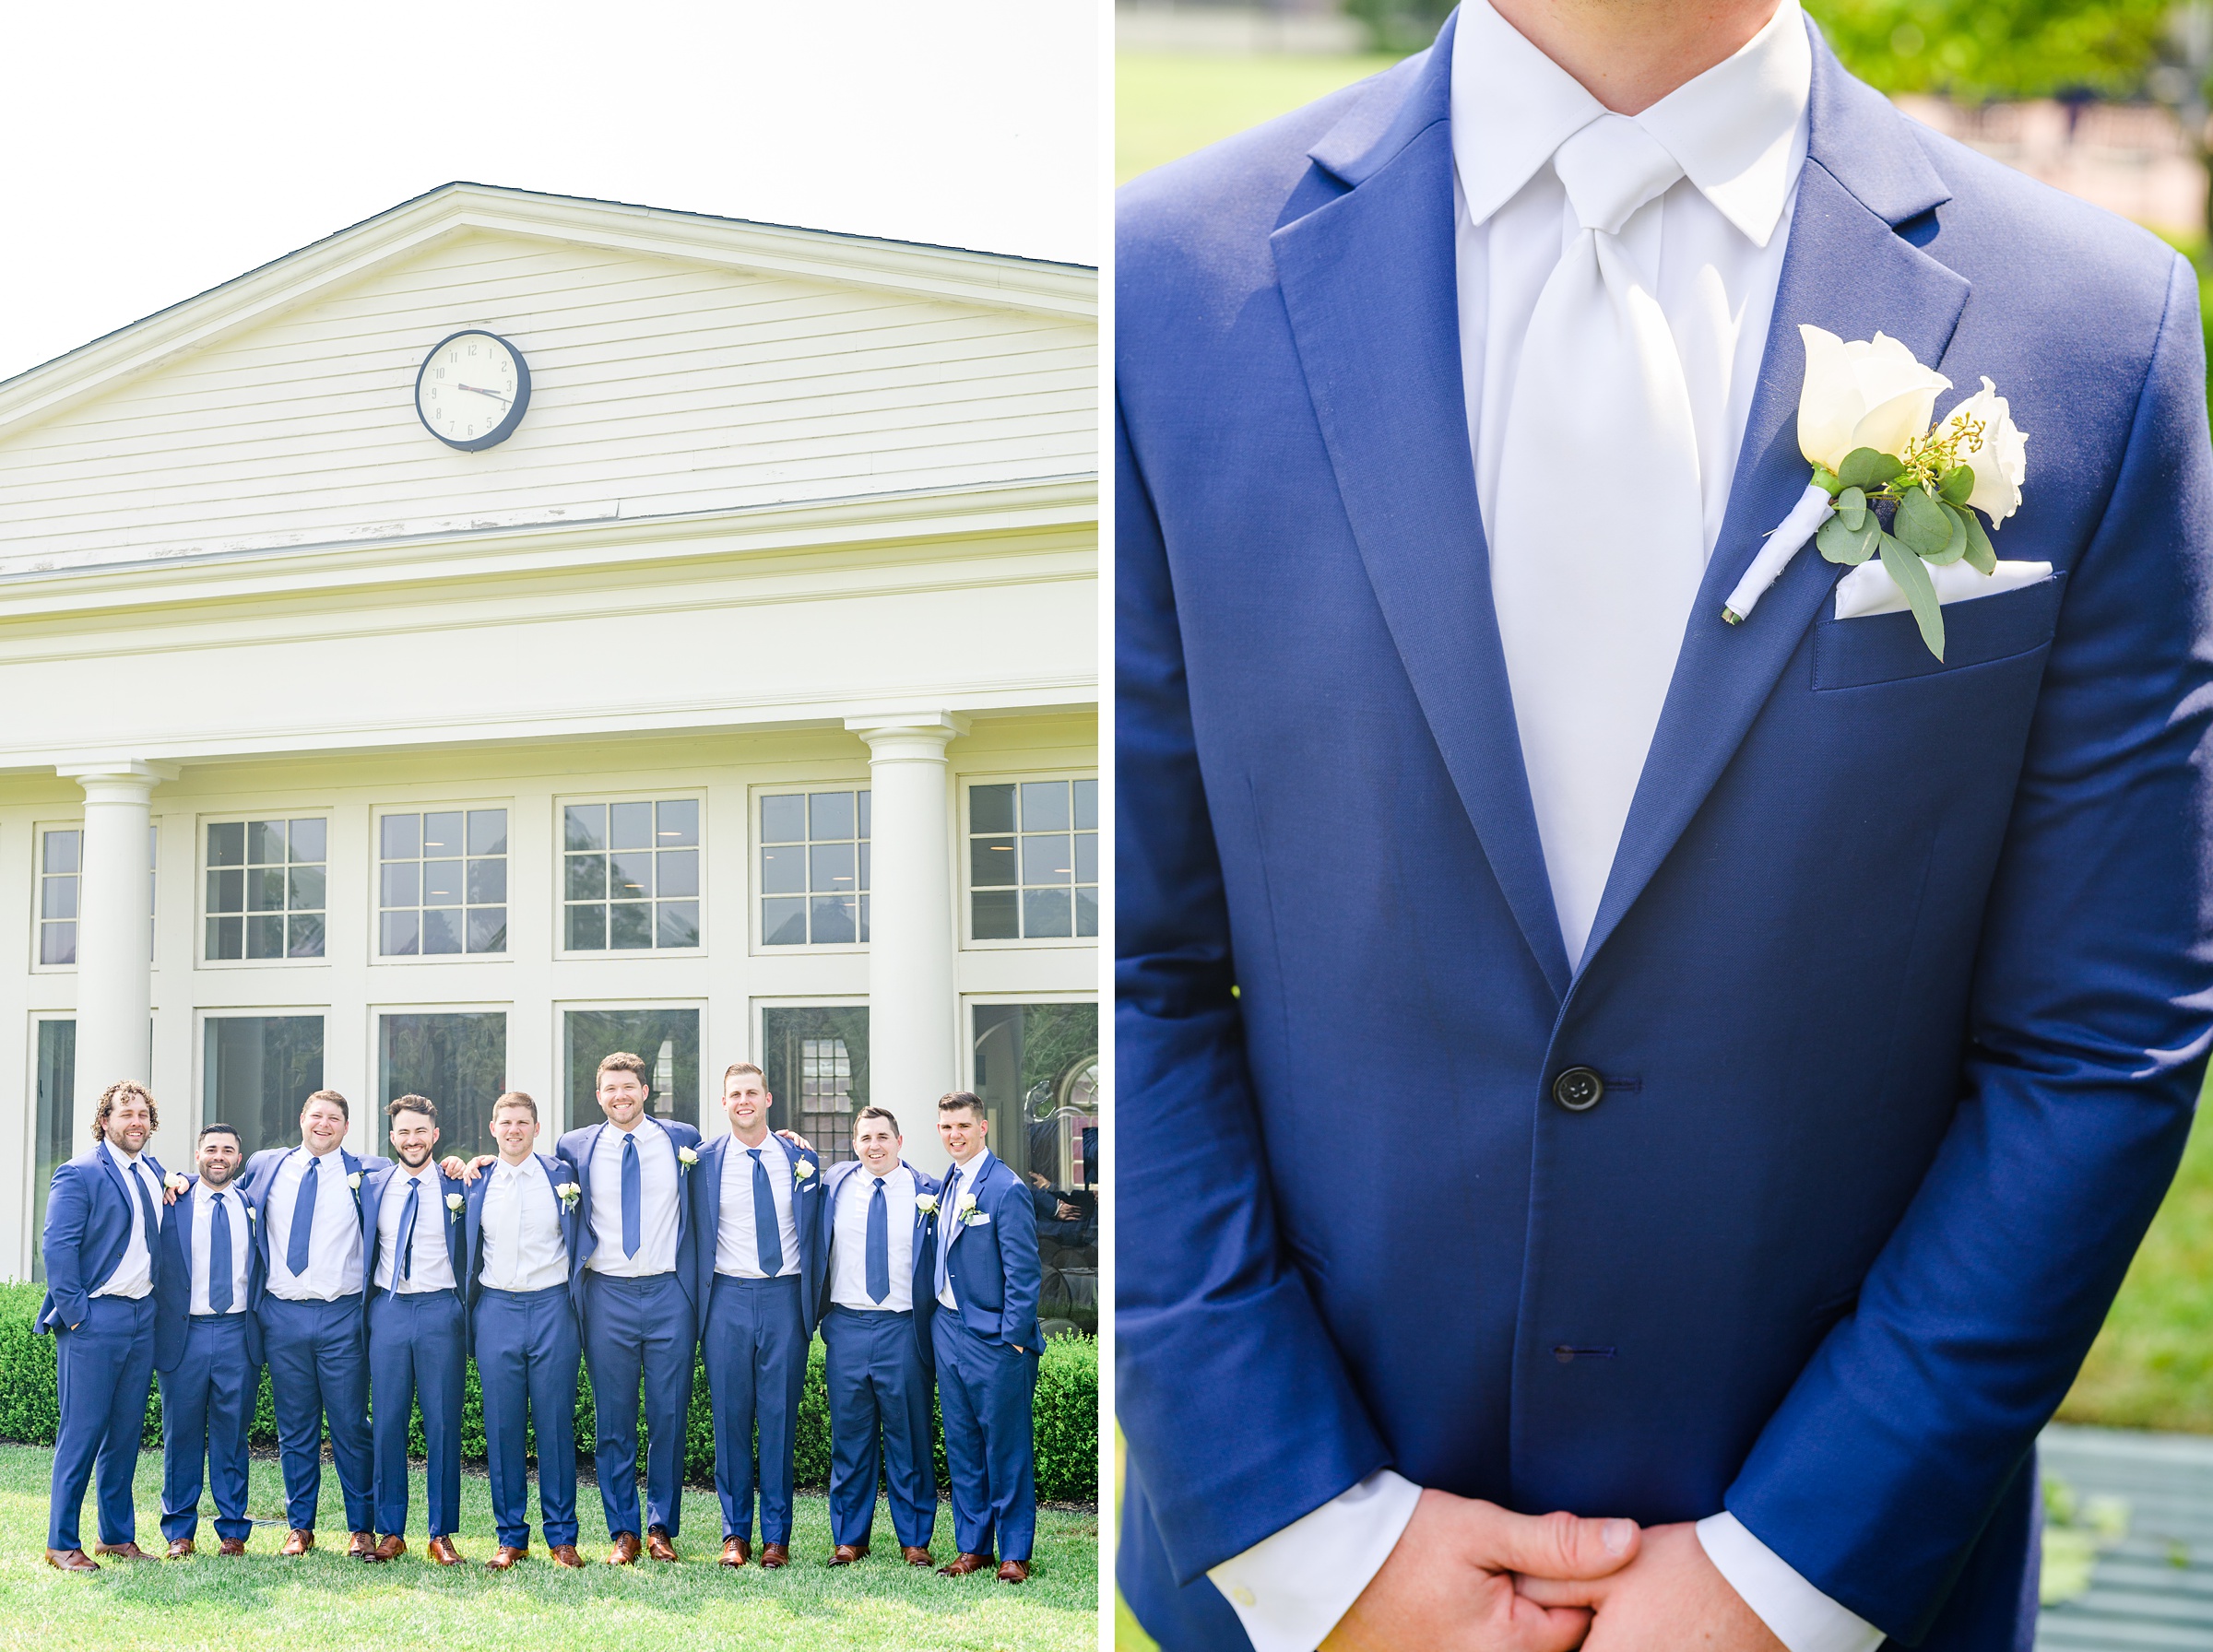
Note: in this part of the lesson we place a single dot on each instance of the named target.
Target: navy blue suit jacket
(260, 1174)
(558, 1175)
(88, 1229)
(172, 1277)
(925, 1252)
(994, 1265)
(451, 1221)
(806, 1198)
(574, 1150)
(1900, 984)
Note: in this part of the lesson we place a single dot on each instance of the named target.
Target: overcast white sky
(154, 150)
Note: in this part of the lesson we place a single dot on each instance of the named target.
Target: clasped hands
(1470, 1576)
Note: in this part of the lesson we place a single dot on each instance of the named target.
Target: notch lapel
(1371, 289)
(1847, 270)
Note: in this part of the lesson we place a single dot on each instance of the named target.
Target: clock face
(472, 389)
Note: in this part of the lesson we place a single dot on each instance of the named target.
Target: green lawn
(324, 1600)
(1167, 105)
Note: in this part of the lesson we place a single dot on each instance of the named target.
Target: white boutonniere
(456, 1203)
(354, 1181)
(801, 1171)
(252, 1214)
(568, 1193)
(686, 1157)
(176, 1182)
(1865, 424)
(927, 1203)
(965, 1213)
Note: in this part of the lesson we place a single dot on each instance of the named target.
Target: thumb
(1555, 1545)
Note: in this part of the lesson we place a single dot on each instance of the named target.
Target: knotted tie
(221, 1262)
(766, 1237)
(1598, 528)
(303, 1217)
(633, 1197)
(948, 1224)
(407, 1227)
(879, 1244)
(146, 1206)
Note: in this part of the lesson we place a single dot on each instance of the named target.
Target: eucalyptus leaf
(1958, 482)
(1980, 556)
(1913, 578)
(1851, 504)
(1956, 547)
(1863, 468)
(1838, 543)
(1922, 523)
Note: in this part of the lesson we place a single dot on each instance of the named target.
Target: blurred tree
(1977, 50)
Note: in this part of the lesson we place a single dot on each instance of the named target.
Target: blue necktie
(633, 1197)
(407, 1228)
(220, 1260)
(947, 1225)
(766, 1235)
(145, 1209)
(303, 1216)
(879, 1246)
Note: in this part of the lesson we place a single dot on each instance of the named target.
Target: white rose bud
(2000, 454)
(1865, 393)
(453, 1201)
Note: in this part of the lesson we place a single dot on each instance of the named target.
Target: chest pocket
(1874, 648)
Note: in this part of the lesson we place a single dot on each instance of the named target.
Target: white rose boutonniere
(176, 1182)
(456, 1203)
(569, 1193)
(965, 1213)
(686, 1157)
(1864, 424)
(354, 1181)
(801, 1170)
(927, 1203)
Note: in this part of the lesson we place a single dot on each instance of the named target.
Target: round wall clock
(472, 390)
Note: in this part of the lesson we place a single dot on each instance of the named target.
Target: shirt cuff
(1797, 1613)
(1289, 1590)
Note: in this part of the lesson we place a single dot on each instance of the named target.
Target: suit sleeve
(1022, 1266)
(2087, 1030)
(63, 1245)
(1218, 1345)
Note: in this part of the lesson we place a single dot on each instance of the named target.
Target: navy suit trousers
(528, 1352)
(877, 1381)
(985, 1388)
(319, 1369)
(639, 1329)
(418, 1349)
(755, 1348)
(207, 1407)
(105, 1367)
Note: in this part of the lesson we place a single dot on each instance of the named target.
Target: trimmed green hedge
(1066, 1412)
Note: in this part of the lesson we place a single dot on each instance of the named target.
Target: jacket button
(1579, 1089)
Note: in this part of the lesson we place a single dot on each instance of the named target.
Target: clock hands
(493, 393)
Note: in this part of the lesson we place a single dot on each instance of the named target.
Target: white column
(114, 953)
(913, 1008)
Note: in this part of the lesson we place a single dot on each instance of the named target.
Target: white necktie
(1599, 537)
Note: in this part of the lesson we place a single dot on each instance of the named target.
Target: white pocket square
(980, 1220)
(1869, 589)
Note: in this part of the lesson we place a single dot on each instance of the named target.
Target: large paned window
(258, 1073)
(442, 882)
(668, 1040)
(631, 876)
(53, 1085)
(815, 1062)
(61, 888)
(457, 1059)
(266, 887)
(1037, 1074)
(1034, 860)
(814, 868)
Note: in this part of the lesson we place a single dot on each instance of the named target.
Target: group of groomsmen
(366, 1284)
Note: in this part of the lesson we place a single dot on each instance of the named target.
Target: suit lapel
(1846, 270)
(1370, 285)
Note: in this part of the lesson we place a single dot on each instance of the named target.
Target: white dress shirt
(133, 1275)
(849, 1241)
(432, 1267)
(950, 1225)
(204, 1262)
(1714, 254)
(334, 1252)
(521, 1223)
(660, 1189)
(737, 1244)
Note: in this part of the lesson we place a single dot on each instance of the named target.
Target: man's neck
(757, 1137)
(122, 1151)
(320, 1153)
(886, 1170)
(1631, 54)
(971, 1159)
(516, 1160)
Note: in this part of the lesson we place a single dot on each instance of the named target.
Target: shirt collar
(1734, 129)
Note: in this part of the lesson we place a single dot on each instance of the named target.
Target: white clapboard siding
(658, 387)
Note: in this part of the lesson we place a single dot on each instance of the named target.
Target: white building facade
(736, 700)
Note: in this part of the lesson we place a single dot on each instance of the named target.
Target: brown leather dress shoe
(658, 1546)
(503, 1558)
(122, 1551)
(231, 1546)
(736, 1552)
(844, 1554)
(298, 1540)
(625, 1552)
(775, 1557)
(564, 1554)
(443, 1552)
(180, 1549)
(391, 1548)
(1014, 1570)
(361, 1545)
(963, 1563)
(916, 1557)
(71, 1560)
